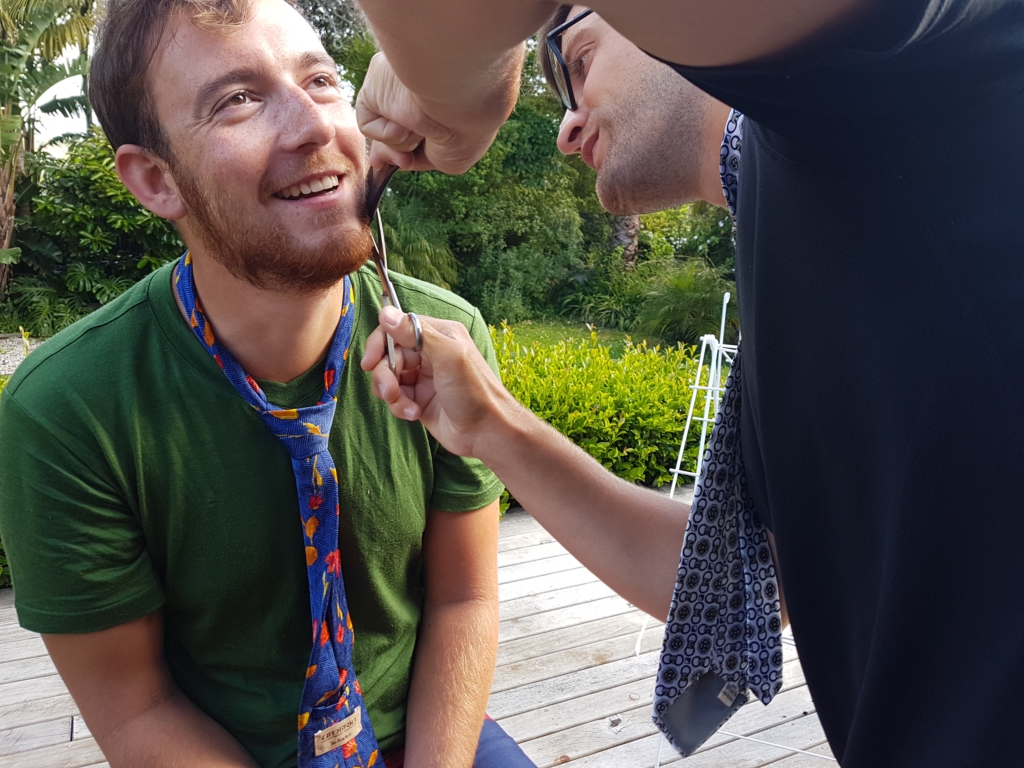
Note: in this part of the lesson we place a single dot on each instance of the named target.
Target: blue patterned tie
(334, 728)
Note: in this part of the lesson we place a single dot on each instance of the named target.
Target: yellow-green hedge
(626, 412)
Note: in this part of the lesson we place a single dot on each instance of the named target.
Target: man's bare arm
(447, 80)
(458, 640)
(120, 682)
(630, 537)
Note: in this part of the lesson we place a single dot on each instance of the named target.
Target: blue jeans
(496, 749)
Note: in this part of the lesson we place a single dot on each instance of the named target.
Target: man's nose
(570, 134)
(306, 123)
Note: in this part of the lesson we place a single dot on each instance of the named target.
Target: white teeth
(316, 185)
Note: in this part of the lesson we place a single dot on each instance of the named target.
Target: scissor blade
(376, 183)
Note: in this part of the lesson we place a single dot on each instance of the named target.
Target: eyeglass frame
(554, 48)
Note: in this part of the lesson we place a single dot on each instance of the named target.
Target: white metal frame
(717, 352)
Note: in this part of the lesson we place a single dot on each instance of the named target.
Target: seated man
(180, 503)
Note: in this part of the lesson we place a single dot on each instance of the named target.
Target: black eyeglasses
(559, 69)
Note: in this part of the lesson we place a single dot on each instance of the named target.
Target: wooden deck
(568, 686)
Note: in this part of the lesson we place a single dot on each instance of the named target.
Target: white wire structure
(716, 352)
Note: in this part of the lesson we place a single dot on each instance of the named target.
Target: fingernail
(380, 389)
(391, 316)
(410, 413)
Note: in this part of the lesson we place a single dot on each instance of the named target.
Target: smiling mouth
(321, 185)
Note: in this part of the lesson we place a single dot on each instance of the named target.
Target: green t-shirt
(134, 477)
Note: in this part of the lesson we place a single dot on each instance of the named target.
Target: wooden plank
(511, 650)
(541, 584)
(526, 554)
(27, 690)
(802, 733)
(550, 601)
(12, 631)
(581, 709)
(519, 571)
(74, 754)
(79, 729)
(590, 738)
(564, 617)
(517, 521)
(7, 612)
(26, 669)
(518, 541)
(806, 761)
(14, 650)
(37, 710)
(564, 687)
(28, 737)
(617, 728)
(571, 660)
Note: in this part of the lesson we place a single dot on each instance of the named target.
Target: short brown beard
(266, 256)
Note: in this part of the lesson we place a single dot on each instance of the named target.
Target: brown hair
(126, 41)
(560, 16)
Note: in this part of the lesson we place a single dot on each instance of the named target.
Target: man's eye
(239, 99)
(578, 67)
(325, 81)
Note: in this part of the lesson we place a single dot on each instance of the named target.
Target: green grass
(548, 333)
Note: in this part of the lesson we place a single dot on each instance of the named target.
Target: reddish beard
(267, 256)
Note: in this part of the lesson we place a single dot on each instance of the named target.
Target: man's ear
(148, 178)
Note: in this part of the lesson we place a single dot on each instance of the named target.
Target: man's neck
(710, 174)
(274, 336)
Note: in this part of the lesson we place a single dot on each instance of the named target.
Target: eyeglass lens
(562, 84)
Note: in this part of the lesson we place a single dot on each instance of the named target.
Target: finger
(399, 399)
(376, 344)
(381, 155)
(390, 132)
(437, 334)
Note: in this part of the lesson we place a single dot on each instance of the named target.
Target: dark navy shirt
(880, 269)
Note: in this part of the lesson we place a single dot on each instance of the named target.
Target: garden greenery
(626, 412)
(87, 239)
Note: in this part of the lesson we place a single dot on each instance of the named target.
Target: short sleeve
(77, 553)
(461, 484)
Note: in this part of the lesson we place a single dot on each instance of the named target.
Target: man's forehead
(587, 23)
(274, 30)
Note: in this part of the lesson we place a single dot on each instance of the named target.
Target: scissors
(376, 183)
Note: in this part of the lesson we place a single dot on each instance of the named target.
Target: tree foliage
(33, 34)
(87, 238)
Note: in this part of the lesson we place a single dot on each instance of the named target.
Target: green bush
(87, 239)
(684, 302)
(628, 413)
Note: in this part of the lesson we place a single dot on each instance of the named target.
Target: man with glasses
(650, 154)
(878, 244)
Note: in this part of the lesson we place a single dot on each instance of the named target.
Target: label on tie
(339, 733)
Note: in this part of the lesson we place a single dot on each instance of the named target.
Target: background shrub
(628, 413)
(87, 239)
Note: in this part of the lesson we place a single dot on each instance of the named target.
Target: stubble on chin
(264, 254)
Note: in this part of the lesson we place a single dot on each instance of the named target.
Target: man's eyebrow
(314, 59)
(569, 37)
(210, 90)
